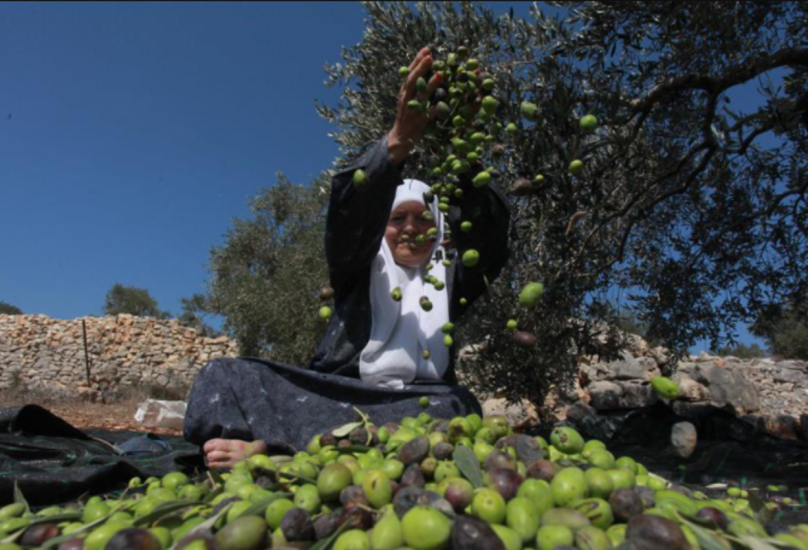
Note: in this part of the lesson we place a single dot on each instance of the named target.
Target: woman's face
(404, 225)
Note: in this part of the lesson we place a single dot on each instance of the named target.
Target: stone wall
(41, 353)
(767, 392)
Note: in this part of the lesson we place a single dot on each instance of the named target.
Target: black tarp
(53, 462)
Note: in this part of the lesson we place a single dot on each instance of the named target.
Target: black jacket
(357, 218)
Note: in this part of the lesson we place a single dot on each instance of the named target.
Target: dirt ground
(87, 415)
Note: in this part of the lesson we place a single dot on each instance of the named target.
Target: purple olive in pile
(413, 476)
(409, 497)
(73, 544)
(443, 451)
(459, 493)
(296, 525)
(716, 516)
(414, 451)
(134, 539)
(654, 532)
(498, 459)
(356, 517)
(361, 436)
(470, 533)
(528, 450)
(505, 481)
(353, 495)
(37, 535)
(326, 525)
(626, 503)
(544, 470)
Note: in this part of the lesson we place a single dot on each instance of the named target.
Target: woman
(379, 354)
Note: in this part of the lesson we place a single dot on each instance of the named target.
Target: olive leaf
(469, 466)
(342, 431)
(708, 540)
(365, 418)
(163, 509)
(213, 494)
(762, 513)
(754, 543)
(296, 477)
(203, 527)
(20, 498)
(56, 518)
(215, 477)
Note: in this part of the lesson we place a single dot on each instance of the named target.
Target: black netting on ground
(52, 462)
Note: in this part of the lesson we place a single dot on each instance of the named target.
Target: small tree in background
(742, 351)
(132, 300)
(8, 309)
(266, 278)
(785, 329)
(194, 309)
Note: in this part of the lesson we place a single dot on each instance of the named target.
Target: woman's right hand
(410, 124)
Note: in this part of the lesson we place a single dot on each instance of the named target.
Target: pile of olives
(423, 484)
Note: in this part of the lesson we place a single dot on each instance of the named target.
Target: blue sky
(131, 135)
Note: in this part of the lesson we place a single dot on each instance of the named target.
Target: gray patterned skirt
(251, 399)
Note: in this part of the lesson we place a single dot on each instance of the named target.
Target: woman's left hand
(410, 124)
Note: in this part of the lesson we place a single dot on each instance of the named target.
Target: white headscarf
(401, 331)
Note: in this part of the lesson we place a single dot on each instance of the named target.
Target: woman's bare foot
(224, 453)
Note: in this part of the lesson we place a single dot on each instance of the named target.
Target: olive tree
(690, 203)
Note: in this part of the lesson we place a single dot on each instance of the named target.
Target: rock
(626, 370)
(692, 390)
(684, 439)
(728, 387)
(649, 367)
(803, 431)
(520, 414)
(637, 346)
(605, 396)
(579, 411)
(788, 375)
(686, 367)
(801, 366)
(594, 373)
(637, 394)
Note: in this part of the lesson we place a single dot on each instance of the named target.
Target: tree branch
(715, 85)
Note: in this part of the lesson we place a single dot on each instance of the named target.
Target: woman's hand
(410, 124)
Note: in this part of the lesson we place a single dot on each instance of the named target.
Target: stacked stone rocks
(770, 393)
(41, 353)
